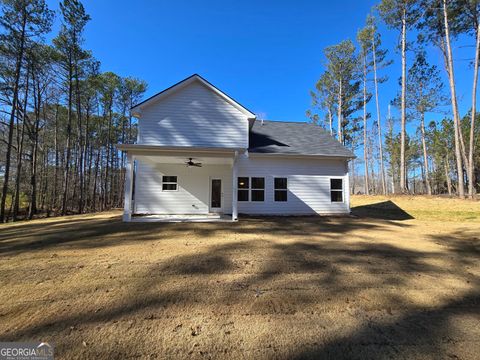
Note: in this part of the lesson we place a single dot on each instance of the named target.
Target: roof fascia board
(311, 156)
(157, 148)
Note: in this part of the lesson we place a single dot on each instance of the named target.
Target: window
(258, 189)
(280, 186)
(251, 189)
(336, 190)
(169, 183)
(243, 186)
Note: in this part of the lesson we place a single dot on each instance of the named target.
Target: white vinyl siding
(193, 116)
(193, 188)
(308, 185)
(308, 182)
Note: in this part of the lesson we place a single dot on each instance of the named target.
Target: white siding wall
(193, 116)
(308, 185)
(193, 192)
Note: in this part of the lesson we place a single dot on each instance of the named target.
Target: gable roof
(187, 81)
(294, 138)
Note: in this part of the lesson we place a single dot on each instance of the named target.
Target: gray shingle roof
(279, 137)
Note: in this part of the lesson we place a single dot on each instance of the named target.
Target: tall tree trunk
(44, 170)
(89, 177)
(372, 167)
(425, 155)
(339, 115)
(330, 120)
(403, 175)
(447, 174)
(18, 68)
(471, 147)
(456, 116)
(33, 167)
(94, 190)
(75, 173)
(85, 149)
(80, 138)
(55, 171)
(379, 125)
(365, 142)
(390, 132)
(69, 139)
(20, 142)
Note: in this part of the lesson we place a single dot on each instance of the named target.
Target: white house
(201, 152)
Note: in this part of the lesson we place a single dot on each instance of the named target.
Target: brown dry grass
(381, 284)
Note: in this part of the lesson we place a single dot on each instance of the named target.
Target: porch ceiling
(181, 154)
(180, 159)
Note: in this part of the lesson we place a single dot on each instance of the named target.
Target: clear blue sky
(266, 54)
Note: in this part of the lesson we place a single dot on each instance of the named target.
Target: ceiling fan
(190, 162)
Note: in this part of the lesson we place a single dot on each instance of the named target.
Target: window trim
(280, 190)
(170, 183)
(247, 189)
(257, 189)
(250, 188)
(337, 190)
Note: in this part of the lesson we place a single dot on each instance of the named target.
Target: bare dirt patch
(386, 283)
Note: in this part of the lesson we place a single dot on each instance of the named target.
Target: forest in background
(438, 157)
(60, 116)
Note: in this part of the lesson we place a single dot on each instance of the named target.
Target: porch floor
(183, 218)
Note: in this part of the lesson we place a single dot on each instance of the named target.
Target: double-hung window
(280, 189)
(336, 190)
(258, 189)
(243, 188)
(169, 183)
(251, 189)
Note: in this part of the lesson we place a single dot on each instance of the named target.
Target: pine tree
(68, 44)
(401, 15)
(22, 21)
(343, 65)
(424, 94)
(442, 22)
(323, 99)
(364, 38)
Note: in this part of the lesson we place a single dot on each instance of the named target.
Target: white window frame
(337, 190)
(247, 189)
(251, 188)
(170, 183)
(257, 189)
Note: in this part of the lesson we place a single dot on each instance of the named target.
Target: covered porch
(180, 184)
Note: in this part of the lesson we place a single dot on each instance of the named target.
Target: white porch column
(235, 188)
(347, 186)
(127, 210)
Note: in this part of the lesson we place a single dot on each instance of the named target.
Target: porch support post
(127, 210)
(234, 188)
(347, 186)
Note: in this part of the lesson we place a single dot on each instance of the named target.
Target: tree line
(444, 152)
(60, 115)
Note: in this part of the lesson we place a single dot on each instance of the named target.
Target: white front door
(216, 195)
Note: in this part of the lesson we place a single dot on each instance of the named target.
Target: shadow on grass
(90, 232)
(386, 210)
(313, 257)
(418, 334)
